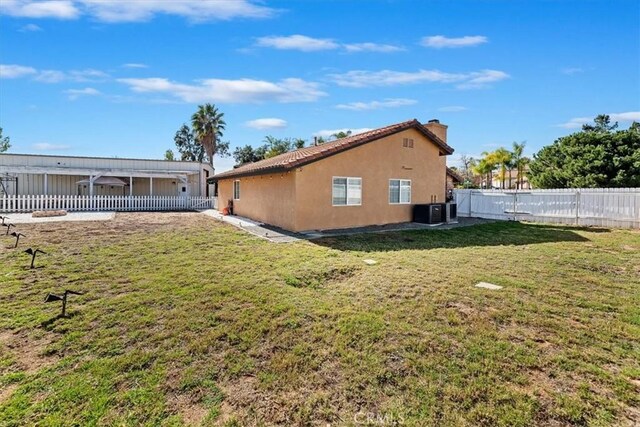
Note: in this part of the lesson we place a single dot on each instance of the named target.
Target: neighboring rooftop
(306, 155)
(453, 174)
(95, 157)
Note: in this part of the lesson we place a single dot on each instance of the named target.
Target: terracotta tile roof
(306, 155)
(453, 174)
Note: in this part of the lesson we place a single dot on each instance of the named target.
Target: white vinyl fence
(607, 207)
(105, 203)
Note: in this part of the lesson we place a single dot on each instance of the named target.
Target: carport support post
(151, 186)
(91, 185)
(130, 191)
(46, 184)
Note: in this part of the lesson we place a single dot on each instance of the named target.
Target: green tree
(276, 146)
(208, 126)
(4, 143)
(187, 146)
(466, 170)
(602, 123)
(599, 156)
(342, 134)
(248, 154)
(168, 155)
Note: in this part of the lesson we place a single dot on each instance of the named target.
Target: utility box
(432, 213)
(451, 212)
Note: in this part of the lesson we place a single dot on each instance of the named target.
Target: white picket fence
(607, 207)
(105, 203)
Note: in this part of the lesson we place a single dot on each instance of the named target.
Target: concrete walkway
(26, 218)
(259, 229)
(277, 235)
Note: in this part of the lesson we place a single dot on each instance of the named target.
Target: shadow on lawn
(493, 234)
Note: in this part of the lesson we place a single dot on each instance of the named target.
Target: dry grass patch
(186, 321)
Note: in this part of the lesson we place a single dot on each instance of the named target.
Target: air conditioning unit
(428, 214)
(451, 212)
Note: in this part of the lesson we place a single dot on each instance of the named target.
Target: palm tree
(208, 126)
(484, 168)
(519, 161)
(502, 157)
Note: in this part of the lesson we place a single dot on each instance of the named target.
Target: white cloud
(134, 65)
(45, 146)
(361, 78)
(58, 9)
(327, 133)
(87, 75)
(133, 11)
(372, 47)
(481, 79)
(626, 117)
(57, 76)
(311, 44)
(265, 124)
(376, 105)
(577, 122)
(231, 91)
(452, 109)
(77, 93)
(30, 28)
(195, 10)
(440, 42)
(51, 76)
(297, 42)
(12, 71)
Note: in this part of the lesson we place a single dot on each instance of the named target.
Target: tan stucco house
(371, 178)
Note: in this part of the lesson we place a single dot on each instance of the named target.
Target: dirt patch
(462, 308)
(192, 413)
(29, 352)
(246, 402)
(6, 392)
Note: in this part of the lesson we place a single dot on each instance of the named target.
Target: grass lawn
(189, 321)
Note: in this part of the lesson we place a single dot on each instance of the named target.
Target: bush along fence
(606, 207)
(104, 203)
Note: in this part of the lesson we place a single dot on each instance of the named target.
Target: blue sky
(114, 78)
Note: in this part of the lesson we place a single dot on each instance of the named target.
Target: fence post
(577, 207)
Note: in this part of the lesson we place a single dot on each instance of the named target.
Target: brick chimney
(437, 128)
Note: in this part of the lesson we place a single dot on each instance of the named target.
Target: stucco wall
(301, 199)
(376, 163)
(267, 198)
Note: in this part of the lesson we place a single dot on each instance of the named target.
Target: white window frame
(400, 185)
(236, 196)
(347, 189)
